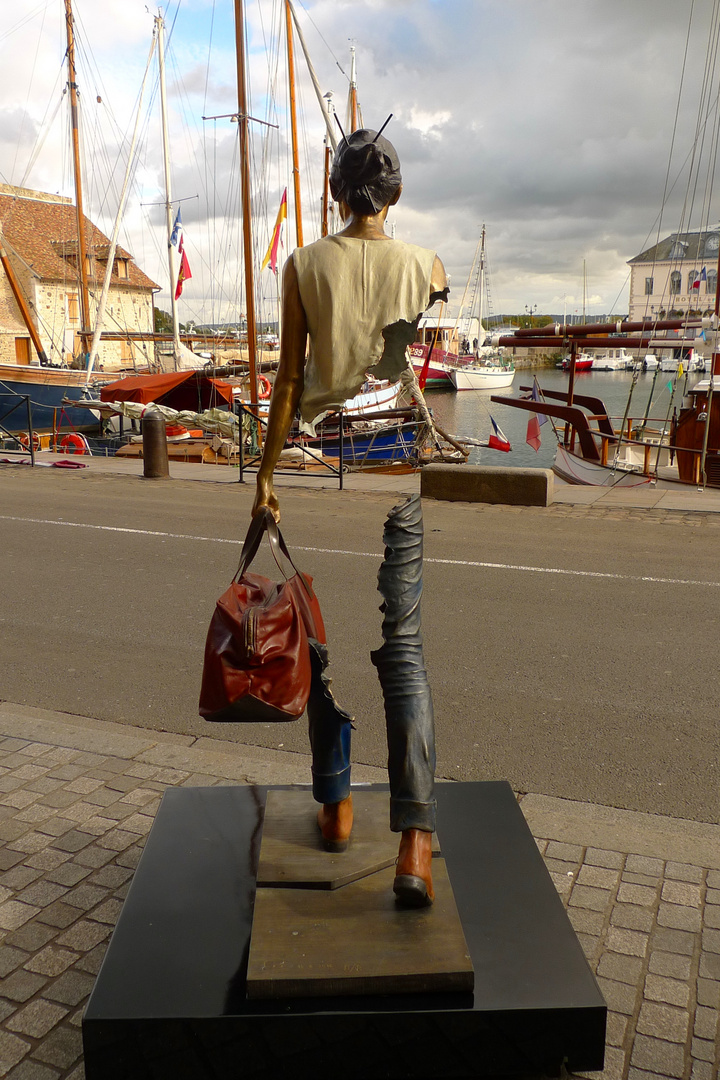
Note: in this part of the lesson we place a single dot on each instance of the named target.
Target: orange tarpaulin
(191, 390)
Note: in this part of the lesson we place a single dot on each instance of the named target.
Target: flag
(532, 437)
(701, 277)
(185, 271)
(498, 440)
(272, 251)
(177, 239)
(176, 234)
(681, 370)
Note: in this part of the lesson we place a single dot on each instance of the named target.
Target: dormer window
(678, 250)
(121, 268)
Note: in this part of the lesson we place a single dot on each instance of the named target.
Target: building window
(711, 283)
(73, 308)
(678, 250)
(121, 268)
(649, 286)
(675, 283)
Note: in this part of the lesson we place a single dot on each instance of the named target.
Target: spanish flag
(272, 251)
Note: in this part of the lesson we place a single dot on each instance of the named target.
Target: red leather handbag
(257, 652)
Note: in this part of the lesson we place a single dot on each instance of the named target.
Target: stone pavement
(646, 497)
(78, 797)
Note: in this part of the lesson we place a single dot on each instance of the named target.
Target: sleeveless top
(363, 300)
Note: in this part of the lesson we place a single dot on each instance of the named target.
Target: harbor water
(467, 414)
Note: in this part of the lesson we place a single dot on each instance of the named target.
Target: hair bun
(362, 164)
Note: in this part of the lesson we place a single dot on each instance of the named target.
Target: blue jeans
(401, 670)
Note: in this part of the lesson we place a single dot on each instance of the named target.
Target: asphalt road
(569, 653)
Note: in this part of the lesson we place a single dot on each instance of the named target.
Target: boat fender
(264, 387)
(73, 443)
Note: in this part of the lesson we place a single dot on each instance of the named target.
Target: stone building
(662, 278)
(39, 233)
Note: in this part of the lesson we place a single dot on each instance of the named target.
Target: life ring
(265, 389)
(25, 441)
(73, 443)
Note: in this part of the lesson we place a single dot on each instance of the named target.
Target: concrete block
(487, 484)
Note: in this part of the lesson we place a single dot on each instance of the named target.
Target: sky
(557, 124)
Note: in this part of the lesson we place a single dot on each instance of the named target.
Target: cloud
(550, 122)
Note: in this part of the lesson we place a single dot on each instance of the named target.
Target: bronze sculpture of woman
(358, 296)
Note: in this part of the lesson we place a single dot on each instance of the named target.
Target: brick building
(40, 236)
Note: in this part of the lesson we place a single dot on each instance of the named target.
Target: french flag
(498, 440)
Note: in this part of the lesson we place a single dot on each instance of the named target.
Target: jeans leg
(401, 670)
(330, 728)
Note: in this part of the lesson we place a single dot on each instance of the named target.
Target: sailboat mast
(326, 188)
(245, 185)
(353, 92)
(82, 260)
(481, 336)
(293, 126)
(160, 24)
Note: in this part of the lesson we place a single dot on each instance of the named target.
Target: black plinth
(170, 1004)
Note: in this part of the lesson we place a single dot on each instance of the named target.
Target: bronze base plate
(316, 935)
(292, 855)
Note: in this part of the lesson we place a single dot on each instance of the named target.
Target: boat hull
(580, 472)
(482, 378)
(393, 444)
(439, 373)
(46, 389)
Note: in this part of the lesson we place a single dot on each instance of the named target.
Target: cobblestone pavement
(78, 798)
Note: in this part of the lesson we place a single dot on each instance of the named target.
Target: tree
(163, 322)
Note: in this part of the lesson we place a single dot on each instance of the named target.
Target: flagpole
(245, 186)
(159, 22)
(293, 127)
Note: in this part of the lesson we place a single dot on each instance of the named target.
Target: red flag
(185, 271)
(533, 432)
(272, 251)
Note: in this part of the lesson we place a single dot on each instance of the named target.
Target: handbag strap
(264, 522)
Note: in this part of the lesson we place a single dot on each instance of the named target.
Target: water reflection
(468, 413)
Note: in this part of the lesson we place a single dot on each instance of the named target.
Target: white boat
(491, 374)
(487, 369)
(613, 360)
(376, 395)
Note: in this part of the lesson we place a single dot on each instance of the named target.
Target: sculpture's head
(365, 173)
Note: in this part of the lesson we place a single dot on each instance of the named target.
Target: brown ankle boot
(413, 877)
(335, 822)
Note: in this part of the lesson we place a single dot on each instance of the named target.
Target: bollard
(155, 454)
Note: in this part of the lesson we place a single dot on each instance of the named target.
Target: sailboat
(50, 254)
(487, 370)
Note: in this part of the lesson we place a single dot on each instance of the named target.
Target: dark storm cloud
(550, 120)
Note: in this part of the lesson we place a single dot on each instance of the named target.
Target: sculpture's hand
(265, 496)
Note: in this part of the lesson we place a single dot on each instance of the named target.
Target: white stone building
(39, 233)
(662, 278)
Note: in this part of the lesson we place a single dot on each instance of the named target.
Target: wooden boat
(439, 371)
(599, 450)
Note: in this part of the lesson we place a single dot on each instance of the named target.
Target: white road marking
(375, 554)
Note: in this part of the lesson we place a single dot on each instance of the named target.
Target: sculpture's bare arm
(287, 390)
